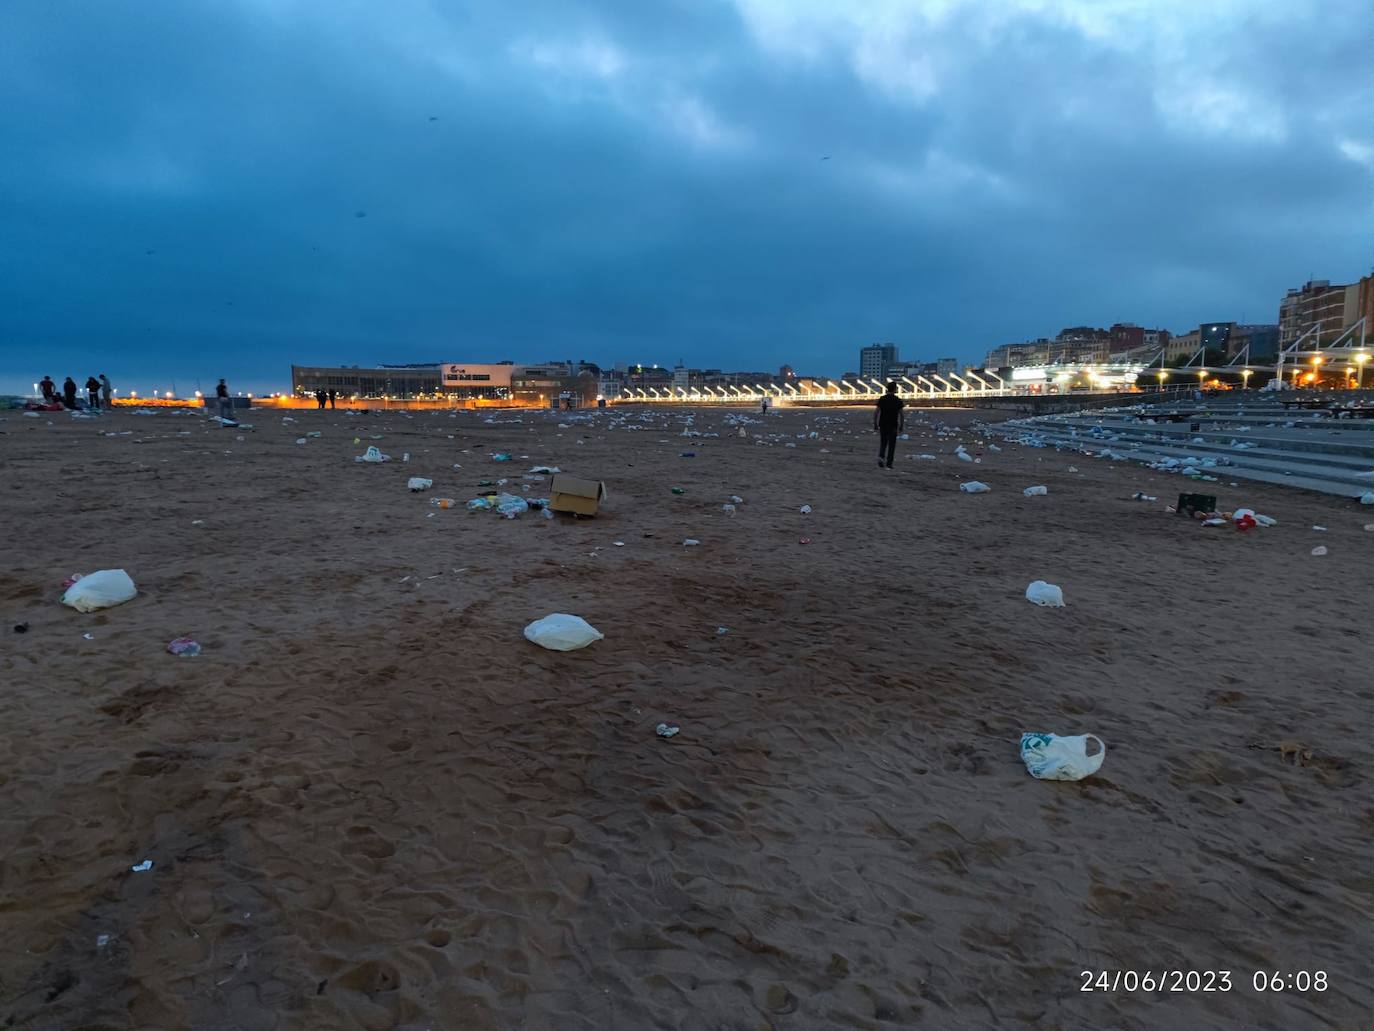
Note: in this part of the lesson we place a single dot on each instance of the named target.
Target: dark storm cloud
(195, 189)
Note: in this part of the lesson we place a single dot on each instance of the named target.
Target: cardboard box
(576, 495)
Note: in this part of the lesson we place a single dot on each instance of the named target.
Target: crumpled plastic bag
(1032, 492)
(1051, 757)
(100, 590)
(372, 454)
(1042, 593)
(511, 505)
(974, 487)
(419, 483)
(561, 632)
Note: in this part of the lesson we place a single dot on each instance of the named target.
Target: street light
(1245, 375)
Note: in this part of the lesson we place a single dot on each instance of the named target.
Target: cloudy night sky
(193, 189)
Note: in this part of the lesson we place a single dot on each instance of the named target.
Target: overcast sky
(196, 189)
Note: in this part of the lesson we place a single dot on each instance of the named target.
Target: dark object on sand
(1190, 504)
(21, 628)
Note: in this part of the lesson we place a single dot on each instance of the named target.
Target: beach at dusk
(371, 802)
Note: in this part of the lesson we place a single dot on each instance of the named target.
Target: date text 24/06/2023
(1200, 981)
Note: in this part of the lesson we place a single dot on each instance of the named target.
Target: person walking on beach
(69, 393)
(889, 420)
(226, 409)
(332, 395)
(105, 391)
(93, 391)
(49, 389)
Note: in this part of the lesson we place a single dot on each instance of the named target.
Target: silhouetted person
(93, 391)
(320, 399)
(226, 407)
(105, 391)
(49, 389)
(888, 420)
(332, 395)
(69, 393)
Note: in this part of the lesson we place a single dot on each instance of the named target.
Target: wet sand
(371, 803)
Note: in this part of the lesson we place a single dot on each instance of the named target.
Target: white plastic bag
(1032, 492)
(974, 487)
(511, 505)
(372, 454)
(1042, 593)
(100, 590)
(562, 633)
(1051, 757)
(419, 483)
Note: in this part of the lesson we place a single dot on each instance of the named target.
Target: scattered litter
(678, 490)
(735, 499)
(963, 456)
(561, 632)
(405, 457)
(1142, 496)
(728, 509)
(1032, 492)
(1073, 468)
(88, 637)
(1321, 528)
(500, 456)
(300, 440)
(806, 510)
(804, 540)
(510, 506)
(547, 469)
(925, 458)
(372, 454)
(100, 590)
(690, 542)
(619, 544)
(666, 729)
(142, 867)
(442, 502)
(419, 483)
(1367, 498)
(687, 454)
(974, 487)
(1051, 757)
(185, 647)
(478, 504)
(23, 628)
(721, 631)
(1319, 551)
(102, 940)
(1042, 593)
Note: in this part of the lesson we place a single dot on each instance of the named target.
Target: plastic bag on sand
(1051, 757)
(1032, 492)
(510, 505)
(100, 590)
(419, 483)
(974, 487)
(372, 455)
(1367, 498)
(562, 633)
(1041, 593)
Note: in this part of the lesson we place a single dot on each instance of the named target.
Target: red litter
(806, 540)
(1245, 522)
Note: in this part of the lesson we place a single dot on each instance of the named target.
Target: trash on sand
(735, 499)
(1042, 593)
(100, 590)
(405, 457)
(806, 510)
(974, 487)
(21, 628)
(618, 544)
(478, 504)
(142, 867)
(1321, 528)
(804, 540)
(418, 483)
(678, 490)
(442, 502)
(1051, 757)
(1367, 498)
(372, 454)
(561, 632)
(500, 456)
(576, 495)
(728, 509)
(548, 469)
(88, 637)
(1073, 468)
(1032, 492)
(186, 647)
(721, 631)
(510, 506)
(1142, 496)
(687, 454)
(690, 542)
(1319, 550)
(666, 729)
(300, 440)
(963, 456)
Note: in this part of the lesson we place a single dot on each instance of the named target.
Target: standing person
(105, 391)
(319, 399)
(332, 395)
(889, 420)
(69, 393)
(226, 409)
(49, 389)
(93, 391)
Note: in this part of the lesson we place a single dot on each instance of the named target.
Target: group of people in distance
(323, 396)
(98, 392)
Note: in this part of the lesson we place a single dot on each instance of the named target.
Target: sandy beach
(370, 803)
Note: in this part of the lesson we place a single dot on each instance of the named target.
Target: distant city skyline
(192, 191)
